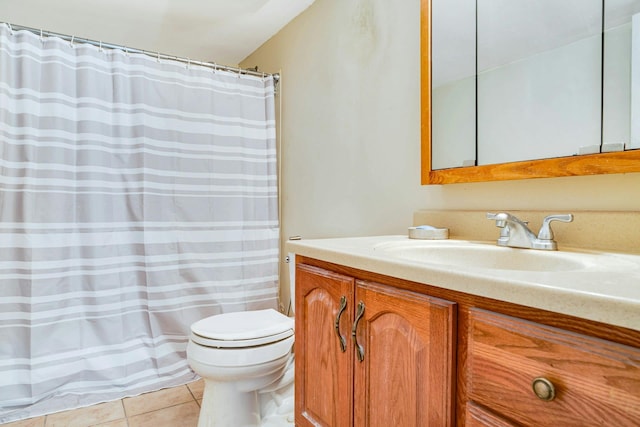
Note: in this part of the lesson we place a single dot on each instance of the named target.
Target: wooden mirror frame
(591, 164)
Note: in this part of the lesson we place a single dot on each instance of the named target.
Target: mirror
(453, 96)
(539, 78)
(621, 101)
(526, 89)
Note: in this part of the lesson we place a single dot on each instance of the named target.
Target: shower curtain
(136, 197)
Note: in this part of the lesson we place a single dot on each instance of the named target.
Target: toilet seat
(242, 329)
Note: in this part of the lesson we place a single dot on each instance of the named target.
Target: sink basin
(484, 256)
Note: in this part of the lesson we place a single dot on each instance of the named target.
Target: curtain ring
(41, 35)
(158, 58)
(72, 37)
(10, 29)
(188, 63)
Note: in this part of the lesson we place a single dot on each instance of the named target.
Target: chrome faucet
(516, 234)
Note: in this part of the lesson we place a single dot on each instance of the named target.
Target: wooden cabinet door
(324, 371)
(406, 377)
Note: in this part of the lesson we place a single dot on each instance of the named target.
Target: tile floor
(172, 407)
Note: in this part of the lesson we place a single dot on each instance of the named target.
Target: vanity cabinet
(438, 357)
(369, 354)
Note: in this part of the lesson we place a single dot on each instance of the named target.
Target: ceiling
(221, 31)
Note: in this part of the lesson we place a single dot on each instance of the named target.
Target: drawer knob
(544, 389)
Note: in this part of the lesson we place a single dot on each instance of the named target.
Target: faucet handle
(546, 233)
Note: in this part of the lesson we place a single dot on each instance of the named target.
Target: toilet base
(244, 409)
(225, 404)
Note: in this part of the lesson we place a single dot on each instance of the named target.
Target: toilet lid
(242, 329)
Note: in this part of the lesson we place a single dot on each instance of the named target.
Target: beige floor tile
(117, 423)
(30, 422)
(183, 415)
(89, 416)
(156, 400)
(197, 387)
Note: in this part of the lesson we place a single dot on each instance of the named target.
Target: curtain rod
(248, 71)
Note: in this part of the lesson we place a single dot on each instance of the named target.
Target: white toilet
(246, 361)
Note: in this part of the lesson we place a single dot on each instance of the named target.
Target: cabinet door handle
(341, 339)
(359, 348)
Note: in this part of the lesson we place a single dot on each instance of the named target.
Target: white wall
(350, 97)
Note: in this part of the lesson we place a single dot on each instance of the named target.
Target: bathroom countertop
(607, 291)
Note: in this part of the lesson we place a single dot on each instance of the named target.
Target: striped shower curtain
(136, 197)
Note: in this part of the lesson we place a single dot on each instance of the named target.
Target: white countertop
(606, 288)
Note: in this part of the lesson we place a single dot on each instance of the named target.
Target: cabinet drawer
(478, 417)
(594, 382)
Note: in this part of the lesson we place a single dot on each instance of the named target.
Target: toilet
(240, 356)
(246, 361)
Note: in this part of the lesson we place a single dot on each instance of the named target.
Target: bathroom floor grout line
(124, 411)
(191, 392)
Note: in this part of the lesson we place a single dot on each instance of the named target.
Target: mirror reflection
(621, 94)
(539, 78)
(531, 79)
(453, 83)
